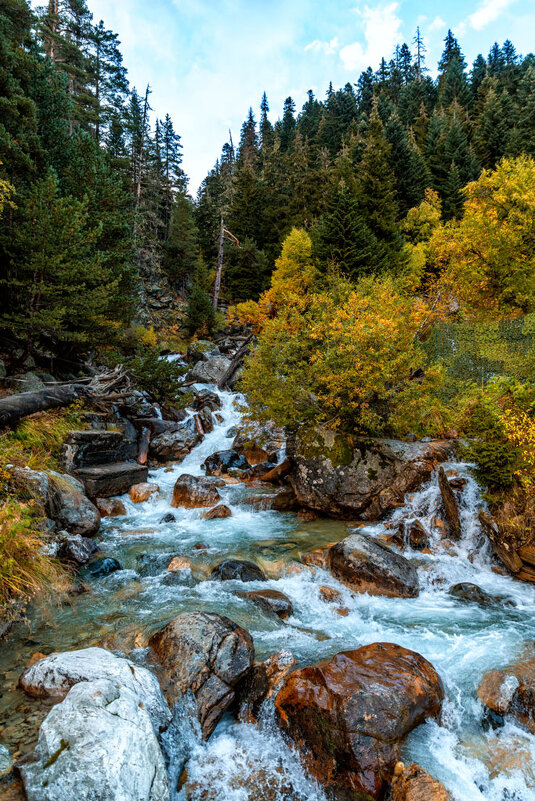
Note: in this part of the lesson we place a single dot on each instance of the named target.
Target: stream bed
(462, 640)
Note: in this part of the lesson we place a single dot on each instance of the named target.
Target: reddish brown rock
(140, 493)
(349, 715)
(512, 691)
(276, 474)
(330, 595)
(413, 783)
(178, 563)
(110, 507)
(194, 492)
(449, 502)
(217, 513)
(271, 600)
(207, 654)
(501, 547)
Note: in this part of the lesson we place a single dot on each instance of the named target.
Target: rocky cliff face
(364, 479)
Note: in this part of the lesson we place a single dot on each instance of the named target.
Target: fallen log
(14, 407)
(235, 363)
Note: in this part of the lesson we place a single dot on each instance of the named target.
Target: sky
(208, 61)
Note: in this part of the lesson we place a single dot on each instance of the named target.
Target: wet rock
(168, 518)
(450, 506)
(53, 677)
(231, 432)
(272, 601)
(210, 371)
(179, 563)
(77, 549)
(142, 492)
(205, 416)
(259, 442)
(151, 564)
(194, 492)
(237, 570)
(257, 472)
(361, 481)
(110, 507)
(330, 595)
(69, 506)
(512, 691)
(262, 683)
(504, 550)
(96, 447)
(206, 399)
(221, 462)
(277, 473)
(413, 783)
(6, 762)
(103, 567)
(414, 534)
(350, 714)
(106, 480)
(366, 565)
(285, 501)
(173, 446)
(97, 744)
(207, 654)
(472, 593)
(217, 513)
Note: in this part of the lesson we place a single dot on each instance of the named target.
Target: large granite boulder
(210, 371)
(70, 507)
(367, 565)
(207, 654)
(97, 745)
(363, 480)
(350, 714)
(175, 445)
(54, 676)
(194, 492)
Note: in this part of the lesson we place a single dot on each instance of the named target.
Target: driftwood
(15, 407)
(235, 363)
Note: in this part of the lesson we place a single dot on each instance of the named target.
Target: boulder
(512, 691)
(179, 563)
(210, 371)
(503, 549)
(207, 654)
(277, 473)
(77, 549)
(89, 448)
(413, 783)
(174, 445)
(221, 462)
(271, 600)
(53, 677)
(350, 714)
(198, 351)
(69, 506)
(449, 503)
(412, 533)
(237, 570)
(106, 480)
(365, 480)
(104, 566)
(194, 492)
(110, 507)
(262, 683)
(465, 591)
(142, 492)
(217, 513)
(259, 442)
(366, 565)
(168, 518)
(206, 399)
(97, 744)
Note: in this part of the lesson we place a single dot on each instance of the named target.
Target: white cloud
(381, 34)
(328, 48)
(437, 24)
(488, 11)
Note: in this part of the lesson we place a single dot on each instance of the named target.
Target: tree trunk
(15, 407)
(236, 362)
(217, 285)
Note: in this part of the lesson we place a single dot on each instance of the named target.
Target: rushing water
(462, 640)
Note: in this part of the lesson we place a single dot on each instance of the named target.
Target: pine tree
(452, 81)
(200, 314)
(343, 237)
(181, 247)
(287, 125)
(493, 123)
(453, 198)
(365, 86)
(107, 75)
(412, 175)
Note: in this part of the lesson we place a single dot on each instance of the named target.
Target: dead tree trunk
(236, 362)
(15, 407)
(217, 285)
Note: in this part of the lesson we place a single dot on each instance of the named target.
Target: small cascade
(242, 762)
